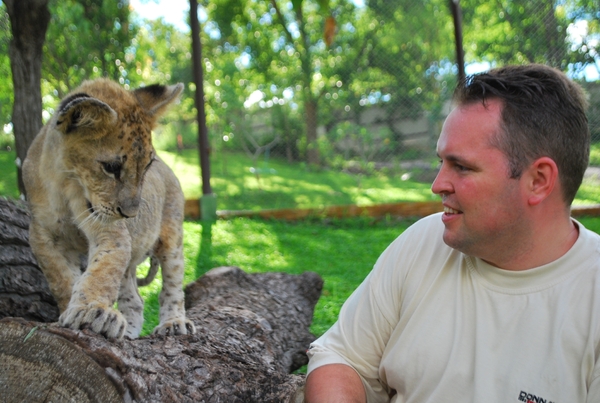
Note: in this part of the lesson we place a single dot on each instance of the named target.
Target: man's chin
(452, 239)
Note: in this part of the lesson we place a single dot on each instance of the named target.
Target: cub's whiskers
(93, 218)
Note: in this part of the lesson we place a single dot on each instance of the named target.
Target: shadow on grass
(204, 259)
(342, 252)
(201, 263)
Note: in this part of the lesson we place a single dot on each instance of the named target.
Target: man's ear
(542, 179)
(155, 98)
(82, 111)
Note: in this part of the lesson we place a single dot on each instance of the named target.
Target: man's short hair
(543, 114)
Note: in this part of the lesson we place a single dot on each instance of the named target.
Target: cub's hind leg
(130, 303)
(169, 251)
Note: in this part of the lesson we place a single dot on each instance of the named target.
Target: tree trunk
(29, 21)
(252, 332)
(24, 291)
(312, 148)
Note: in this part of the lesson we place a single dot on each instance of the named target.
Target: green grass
(588, 193)
(595, 154)
(8, 174)
(342, 252)
(283, 185)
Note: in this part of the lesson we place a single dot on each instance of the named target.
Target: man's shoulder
(424, 235)
(432, 220)
(588, 239)
(428, 226)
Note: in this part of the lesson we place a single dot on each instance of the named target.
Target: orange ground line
(407, 209)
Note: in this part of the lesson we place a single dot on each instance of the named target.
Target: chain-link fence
(375, 97)
(371, 98)
(355, 86)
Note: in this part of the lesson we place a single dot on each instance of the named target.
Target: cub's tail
(151, 273)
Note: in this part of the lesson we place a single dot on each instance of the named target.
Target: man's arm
(334, 383)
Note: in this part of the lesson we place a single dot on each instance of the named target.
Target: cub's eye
(112, 168)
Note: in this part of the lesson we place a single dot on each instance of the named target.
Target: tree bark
(29, 21)
(312, 148)
(252, 332)
(24, 291)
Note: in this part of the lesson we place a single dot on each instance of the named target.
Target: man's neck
(548, 241)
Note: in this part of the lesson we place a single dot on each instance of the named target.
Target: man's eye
(112, 168)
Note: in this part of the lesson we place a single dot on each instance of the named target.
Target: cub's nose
(129, 208)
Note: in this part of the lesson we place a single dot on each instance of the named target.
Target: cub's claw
(96, 317)
(175, 327)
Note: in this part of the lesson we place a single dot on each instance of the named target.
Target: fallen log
(24, 291)
(252, 332)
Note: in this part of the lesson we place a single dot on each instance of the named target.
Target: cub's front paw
(174, 327)
(97, 317)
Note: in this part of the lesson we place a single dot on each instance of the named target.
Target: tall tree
(403, 60)
(88, 39)
(29, 21)
(395, 55)
(517, 31)
(278, 36)
(583, 33)
(161, 53)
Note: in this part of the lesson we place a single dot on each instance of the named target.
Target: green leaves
(516, 31)
(86, 39)
(297, 5)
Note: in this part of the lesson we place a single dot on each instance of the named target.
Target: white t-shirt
(435, 325)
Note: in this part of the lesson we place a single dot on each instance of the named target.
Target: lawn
(8, 174)
(279, 184)
(341, 251)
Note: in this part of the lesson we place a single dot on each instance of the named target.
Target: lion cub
(102, 202)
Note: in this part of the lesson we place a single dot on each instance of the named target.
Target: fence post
(460, 53)
(208, 201)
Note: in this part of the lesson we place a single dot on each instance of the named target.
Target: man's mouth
(449, 210)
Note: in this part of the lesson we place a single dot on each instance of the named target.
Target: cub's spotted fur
(102, 202)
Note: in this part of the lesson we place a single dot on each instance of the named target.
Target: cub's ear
(155, 98)
(82, 111)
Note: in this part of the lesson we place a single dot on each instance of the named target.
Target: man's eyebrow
(452, 158)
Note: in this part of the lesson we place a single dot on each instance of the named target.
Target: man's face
(483, 208)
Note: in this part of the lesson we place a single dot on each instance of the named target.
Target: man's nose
(441, 183)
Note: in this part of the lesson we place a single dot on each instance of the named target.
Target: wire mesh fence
(373, 96)
(355, 86)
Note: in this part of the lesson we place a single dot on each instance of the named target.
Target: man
(498, 298)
